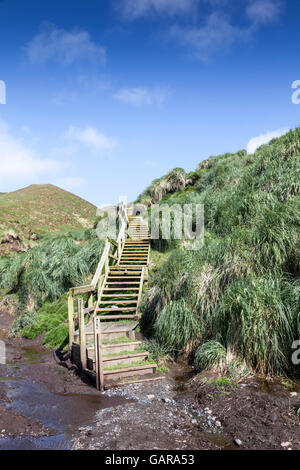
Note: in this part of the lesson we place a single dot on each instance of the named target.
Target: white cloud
(264, 11)
(133, 9)
(63, 46)
(18, 162)
(216, 32)
(256, 142)
(142, 96)
(92, 138)
(213, 24)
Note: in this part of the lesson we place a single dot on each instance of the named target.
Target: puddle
(223, 442)
(277, 385)
(10, 379)
(58, 442)
(63, 413)
(57, 411)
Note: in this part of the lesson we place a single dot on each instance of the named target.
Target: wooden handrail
(99, 278)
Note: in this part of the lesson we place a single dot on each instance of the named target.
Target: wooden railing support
(82, 337)
(98, 355)
(71, 320)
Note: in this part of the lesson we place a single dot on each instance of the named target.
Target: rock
(10, 237)
(237, 442)
(150, 397)
(286, 444)
(33, 236)
(166, 400)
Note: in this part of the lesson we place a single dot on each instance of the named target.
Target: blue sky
(103, 96)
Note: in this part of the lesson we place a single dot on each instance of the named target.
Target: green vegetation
(157, 351)
(170, 183)
(221, 383)
(49, 269)
(41, 277)
(241, 292)
(51, 320)
(176, 327)
(210, 354)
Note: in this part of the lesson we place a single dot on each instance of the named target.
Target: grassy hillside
(38, 279)
(32, 212)
(236, 302)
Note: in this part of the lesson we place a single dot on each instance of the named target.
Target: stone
(286, 444)
(238, 442)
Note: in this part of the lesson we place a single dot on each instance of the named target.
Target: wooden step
(118, 283)
(119, 295)
(140, 264)
(124, 359)
(123, 288)
(119, 317)
(119, 309)
(124, 278)
(116, 348)
(117, 302)
(130, 371)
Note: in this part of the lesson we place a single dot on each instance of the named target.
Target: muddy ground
(46, 404)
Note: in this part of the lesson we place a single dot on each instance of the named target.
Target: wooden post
(82, 336)
(71, 320)
(91, 301)
(98, 355)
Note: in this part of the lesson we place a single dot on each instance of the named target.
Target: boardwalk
(103, 330)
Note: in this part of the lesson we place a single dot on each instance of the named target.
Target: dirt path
(39, 391)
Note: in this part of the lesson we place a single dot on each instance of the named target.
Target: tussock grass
(48, 270)
(176, 328)
(40, 278)
(210, 354)
(242, 288)
(174, 181)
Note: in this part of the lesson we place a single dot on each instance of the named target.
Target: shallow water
(58, 442)
(63, 414)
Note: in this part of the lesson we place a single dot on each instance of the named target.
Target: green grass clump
(222, 383)
(51, 320)
(242, 289)
(176, 327)
(209, 354)
(49, 269)
(40, 277)
(174, 181)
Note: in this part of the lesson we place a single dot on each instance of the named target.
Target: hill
(234, 304)
(34, 211)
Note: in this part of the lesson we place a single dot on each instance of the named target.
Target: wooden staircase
(105, 344)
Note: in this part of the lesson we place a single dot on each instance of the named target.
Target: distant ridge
(38, 209)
